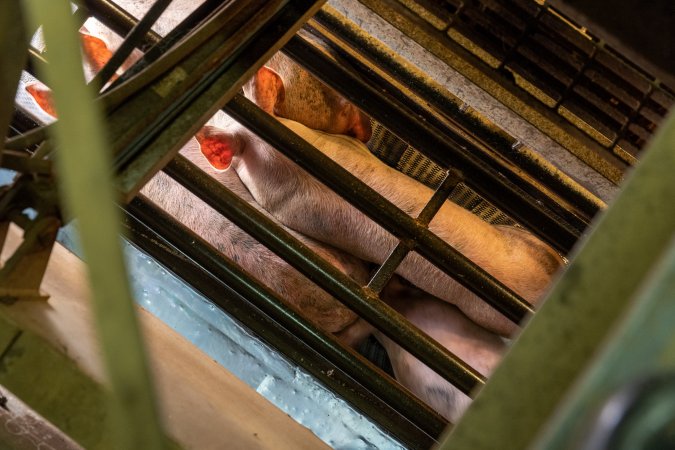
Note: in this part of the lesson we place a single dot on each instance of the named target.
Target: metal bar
(14, 51)
(131, 41)
(36, 61)
(89, 195)
(22, 162)
(209, 95)
(640, 347)
(446, 150)
(21, 123)
(586, 303)
(386, 270)
(437, 251)
(209, 51)
(258, 308)
(162, 44)
(165, 56)
(116, 18)
(30, 138)
(363, 302)
(384, 273)
(441, 100)
(452, 179)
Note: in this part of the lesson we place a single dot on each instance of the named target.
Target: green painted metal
(8, 334)
(54, 387)
(582, 309)
(641, 346)
(14, 51)
(84, 167)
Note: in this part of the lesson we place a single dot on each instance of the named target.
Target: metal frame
(586, 308)
(146, 142)
(168, 132)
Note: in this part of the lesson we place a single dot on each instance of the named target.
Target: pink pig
(512, 255)
(299, 202)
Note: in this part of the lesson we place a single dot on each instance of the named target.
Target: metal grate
(562, 65)
(403, 157)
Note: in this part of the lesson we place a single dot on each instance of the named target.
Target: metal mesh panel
(396, 153)
(562, 65)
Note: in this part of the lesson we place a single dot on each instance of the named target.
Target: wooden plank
(203, 405)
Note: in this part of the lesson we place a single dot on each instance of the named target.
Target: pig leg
(446, 324)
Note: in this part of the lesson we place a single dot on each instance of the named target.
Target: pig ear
(218, 146)
(95, 50)
(268, 89)
(360, 126)
(42, 96)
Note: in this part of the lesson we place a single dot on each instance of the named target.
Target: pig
(305, 297)
(478, 347)
(445, 323)
(512, 255)
(299, 292)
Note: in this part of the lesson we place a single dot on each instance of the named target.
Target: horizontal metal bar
(448, 150)
(258, 308)
(362, 301)
(379, 209)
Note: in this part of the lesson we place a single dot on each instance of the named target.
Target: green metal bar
(642, 345)
(86, 187)
(14, 51)
(581, 310)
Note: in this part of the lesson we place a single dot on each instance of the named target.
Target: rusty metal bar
(386, 270)
(448, 150)
(383, 212)
(360, 300)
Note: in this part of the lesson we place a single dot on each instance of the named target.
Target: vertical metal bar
(386, 270)
(384, 273)
(437, 251)
(14, 51)
(642, 345)
(131, 41)
(583, 306)
(89, 195)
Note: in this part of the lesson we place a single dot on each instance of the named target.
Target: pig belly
(303, 295)
(445, 323)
